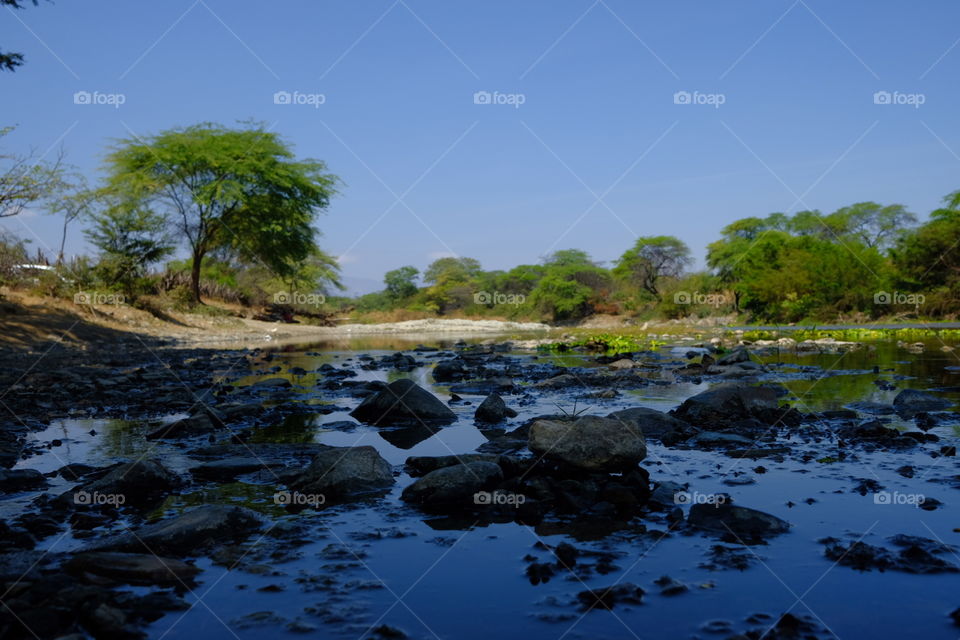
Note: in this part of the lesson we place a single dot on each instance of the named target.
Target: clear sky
(582, 142)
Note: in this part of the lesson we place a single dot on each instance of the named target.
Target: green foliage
(651, 260)
(401, 283)
(237, 190)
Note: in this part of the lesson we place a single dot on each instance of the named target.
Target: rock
(656, 424)
(422, 465)
(188, 533)
(132, 568)
(402, 401)
(718, 439)
(912, 401)
(138, 482)
(482, 387)
(607, 598)
(450, 370)
(670, 586)
(741, 522)
(493, 410)
(341, 472)
(591, 443)
(738, 355)
(200, 423)
(12, 481)
(561, 381)
(727, 403)
(622, 363)
(455, 485)
(230, 468)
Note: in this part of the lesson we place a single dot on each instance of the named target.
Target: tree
(130, 238)
(568, 257)
(26, 179)
(74, 202)
(239, 189)
(652, 258)
(10, 61)
(451, 270)
(873, 224)
(929, 256)
(401, 283)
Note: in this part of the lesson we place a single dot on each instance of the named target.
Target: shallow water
(441, 578)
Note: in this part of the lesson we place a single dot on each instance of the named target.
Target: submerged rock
(910, 402)
(132, 568)
(741, 522)
(590, 443)
(608, 597)
(402, 401)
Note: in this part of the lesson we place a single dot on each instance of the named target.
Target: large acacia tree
(239, 190)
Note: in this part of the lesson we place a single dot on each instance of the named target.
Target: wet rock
(909, 402)
(138, 482)
(341, 472)
(670, 586)
(591, 443)
(189, 533)
(200, 423)
(718, 439)
(454, 486)
(493, 410)
(656, 425)
(132, 568)
(450, 370)
(230, 468)
(918, 555)
(12, 481)
(741, 522)
(483, 387)
(608, 597)
(402, 401)
(422, 465)
(562, 381)
(738, 355)
(728, 403)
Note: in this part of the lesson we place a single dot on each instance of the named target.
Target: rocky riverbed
(461, 490)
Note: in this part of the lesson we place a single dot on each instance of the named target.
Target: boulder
(190, 532)
(450, 370)
(422, 465)
(656, 424)
(454, 485)
(493, 410)
(342, 472)
(132, 568)
(402, 401)
(15, 480)
(139, 482)
(729, 402)
(910, 402)
(738, 355)
(230, 468)
(200, 423)
(591, 443)
(741, 522)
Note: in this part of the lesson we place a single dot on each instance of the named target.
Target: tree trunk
(195, 276)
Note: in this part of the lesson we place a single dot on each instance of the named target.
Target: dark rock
(230, 468)
(402, 401)
(738, 355)
(450, 370)
(740, 522)
(422, 465)
(138, 482)
(591, 443)
(12, 481)
(727, 403)
(454, 486)
(493, 410)
(607, 598)
(482, 387)
(132, 568)
(909, 402)
(655, 424)
(341, 472)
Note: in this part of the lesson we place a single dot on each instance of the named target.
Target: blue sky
(599, 151)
